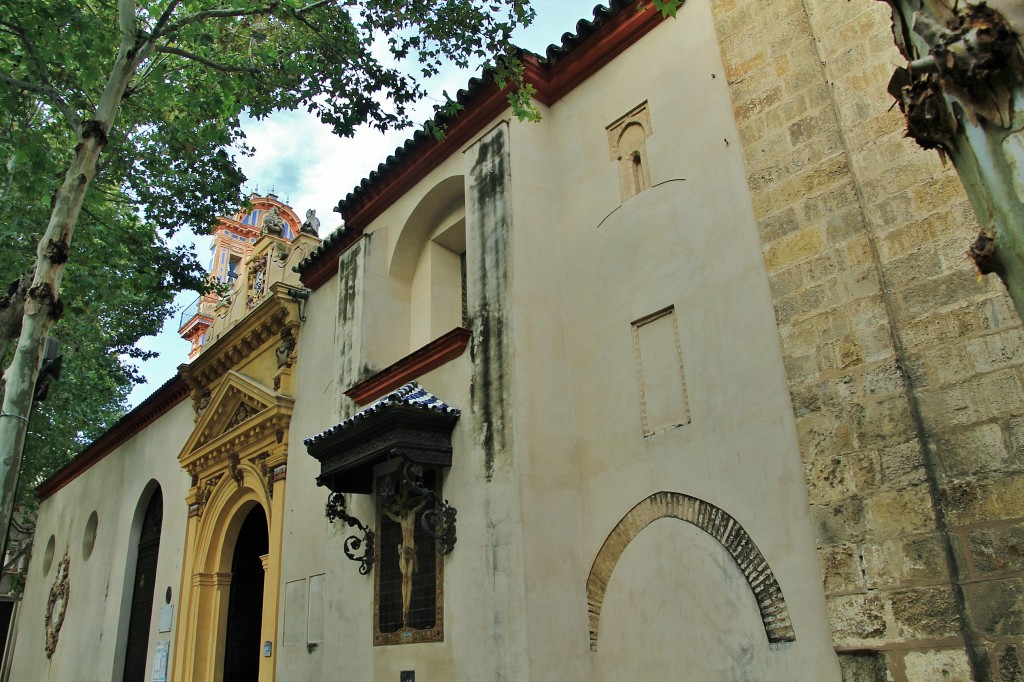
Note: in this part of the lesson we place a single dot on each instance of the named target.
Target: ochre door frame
(206, 575)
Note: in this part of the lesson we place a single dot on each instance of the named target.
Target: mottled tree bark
(963, 93)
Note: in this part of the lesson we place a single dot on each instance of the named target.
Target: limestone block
(864, 666)
(840, 522)
(903, 560)
(916, 264)
(996, 312)
(798, 246)
(997, 549)
(945, 365)
(948, 665)
(1016, 431)
(840, 568)
(902, 464)
(981, 398)
(899, 512)
(883, 379)
(844, 225)
(786, 281)
(822, 433)
(926, 296)
(997, 606)
(829, 479)
(984, 500)
(857, 618)
(924, 612)
(965, 453)
(881, 421)
(996, 351)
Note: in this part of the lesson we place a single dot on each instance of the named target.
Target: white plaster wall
(483, 577)
(99, 586)
(689, 242)
(583, 266)
(305, 542)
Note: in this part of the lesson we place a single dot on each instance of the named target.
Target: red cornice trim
(610, 40)
(153, 407)
(428, 358)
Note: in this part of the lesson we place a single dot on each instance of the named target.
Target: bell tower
(233, 241)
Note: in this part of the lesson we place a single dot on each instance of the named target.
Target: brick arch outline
(716, 523)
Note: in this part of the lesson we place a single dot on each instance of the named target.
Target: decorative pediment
(240, 410)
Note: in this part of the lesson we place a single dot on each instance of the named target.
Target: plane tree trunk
(962, 92)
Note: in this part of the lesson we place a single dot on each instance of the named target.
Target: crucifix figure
(402, 509)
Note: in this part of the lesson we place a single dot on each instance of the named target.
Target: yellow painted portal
(237, 457)
(206, 582)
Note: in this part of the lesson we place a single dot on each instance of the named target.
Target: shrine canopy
(410, 424)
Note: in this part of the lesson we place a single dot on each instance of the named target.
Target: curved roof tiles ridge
(585, 28)
(411, 395)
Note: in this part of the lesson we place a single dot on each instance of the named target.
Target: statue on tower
(312, 224)
(273, 224)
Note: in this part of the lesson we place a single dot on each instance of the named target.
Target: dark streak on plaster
(349, 276)
(488, 208)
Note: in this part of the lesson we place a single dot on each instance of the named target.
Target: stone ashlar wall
(905, 371)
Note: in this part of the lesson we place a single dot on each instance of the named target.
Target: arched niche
(133, 625)
(442, 202)
(716, 523)
(428, 260)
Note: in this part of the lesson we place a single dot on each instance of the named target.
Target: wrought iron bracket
(438, 520)
(336, 510)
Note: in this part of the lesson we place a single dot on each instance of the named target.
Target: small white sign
(160, 661)
(166, 618)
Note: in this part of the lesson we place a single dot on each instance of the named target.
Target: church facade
(691, 375)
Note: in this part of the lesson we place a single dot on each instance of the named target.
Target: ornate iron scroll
(439, 519)
(336, 510)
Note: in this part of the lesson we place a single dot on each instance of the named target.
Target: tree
(120, 286)
(175, 76)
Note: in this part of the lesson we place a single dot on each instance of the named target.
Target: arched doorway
(137, 646)
(245, 600)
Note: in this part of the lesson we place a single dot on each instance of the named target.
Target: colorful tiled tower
(233, 240)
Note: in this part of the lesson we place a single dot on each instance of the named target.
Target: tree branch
(165, 16)
(231, 12)
(224, 68)
(49, 94)
(226, 13)
(311, 7)
(47, 90)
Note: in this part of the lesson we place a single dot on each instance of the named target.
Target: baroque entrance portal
(237, 458)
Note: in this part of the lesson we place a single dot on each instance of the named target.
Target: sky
(307, 166)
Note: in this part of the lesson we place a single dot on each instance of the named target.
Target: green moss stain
(489, 211)
(350, 276)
